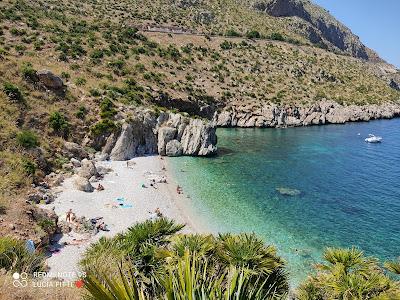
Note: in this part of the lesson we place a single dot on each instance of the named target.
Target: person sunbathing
(102, 226)
(100, 187)
(158, 212)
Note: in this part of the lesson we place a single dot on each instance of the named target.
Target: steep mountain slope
(318, 26)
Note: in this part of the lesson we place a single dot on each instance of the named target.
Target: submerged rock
(288, 191)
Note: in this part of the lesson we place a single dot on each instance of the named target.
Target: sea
(301, 189)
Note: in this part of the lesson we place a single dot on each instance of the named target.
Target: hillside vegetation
(205, 54)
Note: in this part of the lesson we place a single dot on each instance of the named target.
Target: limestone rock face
(136, 138)
(73, 150)
(196, 136)
(150, 134)
(83, 184)
(324, 112)
(199, 138)
(123, 148)
(88, 169)
(165, 135)
(174, 148)
(51, 81)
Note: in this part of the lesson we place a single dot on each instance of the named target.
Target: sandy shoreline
(122, 182)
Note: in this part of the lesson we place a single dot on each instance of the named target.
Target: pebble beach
(128, 197)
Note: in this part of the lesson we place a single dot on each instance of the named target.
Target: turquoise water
(350, 190)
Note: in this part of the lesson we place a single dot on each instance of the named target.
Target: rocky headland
(323, 112)
(166, 133)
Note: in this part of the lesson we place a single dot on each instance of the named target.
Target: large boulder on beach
(173, 148)
(83, 184)
(73, 150)
(88, 169)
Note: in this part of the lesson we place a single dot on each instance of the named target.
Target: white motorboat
(373, 139)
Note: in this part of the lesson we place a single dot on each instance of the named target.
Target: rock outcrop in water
(324, 112)
(168, 134)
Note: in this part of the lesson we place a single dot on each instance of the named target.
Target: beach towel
(125, 205)
(121, 199)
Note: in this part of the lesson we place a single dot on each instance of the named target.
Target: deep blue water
(350, 190)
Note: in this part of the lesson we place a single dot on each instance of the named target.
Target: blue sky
(376, 22)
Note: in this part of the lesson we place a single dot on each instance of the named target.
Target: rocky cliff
(323, 112)
(318, 26)
(167, 134)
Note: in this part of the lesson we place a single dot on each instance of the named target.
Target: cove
(347, 192)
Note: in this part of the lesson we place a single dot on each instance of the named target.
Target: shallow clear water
(350, 190)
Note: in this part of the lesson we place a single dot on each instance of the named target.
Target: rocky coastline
(146, 133)
(323, 112)
(172, 134)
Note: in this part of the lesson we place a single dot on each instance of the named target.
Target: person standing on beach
(68, 216)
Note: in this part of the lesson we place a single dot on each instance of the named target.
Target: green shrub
(46, 224)
(80, 81)
(107, 109)
(29, 167)
(38, 45)
(253, 34)
(277, 36)
(173, 52)
(18, 32)
(140, 67)
(232, 33)
(27, 139)
(15, 258)
(80, 114)
(103, 127)
(12, 92)
(97, 55)
(65, 75)
(226, 45)
(29, 73)
(95, 93)
(59, 123)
